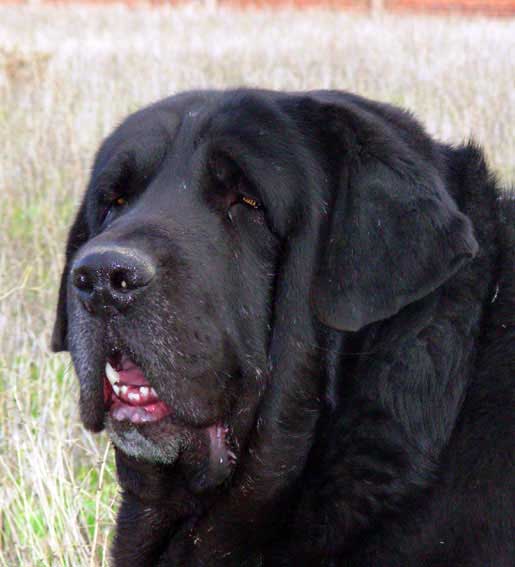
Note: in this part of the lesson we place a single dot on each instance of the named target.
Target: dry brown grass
(67, 76)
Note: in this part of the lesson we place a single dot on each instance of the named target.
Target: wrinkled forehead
(142, 141)
(177, 125)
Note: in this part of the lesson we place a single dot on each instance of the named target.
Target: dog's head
(219, 226)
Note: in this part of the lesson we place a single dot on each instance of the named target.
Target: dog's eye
(248, 202)
(116, 205)
(113, 208)
(119, 202)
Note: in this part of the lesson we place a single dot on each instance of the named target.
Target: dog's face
(211, 223)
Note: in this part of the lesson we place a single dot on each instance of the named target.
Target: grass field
(67, 76)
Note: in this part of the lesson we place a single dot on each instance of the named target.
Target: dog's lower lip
(139, 414)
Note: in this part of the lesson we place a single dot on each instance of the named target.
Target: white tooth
(116, 389)
(133, 396)
(153, 392)
(143, 390)
(111, 374)
(124, 389)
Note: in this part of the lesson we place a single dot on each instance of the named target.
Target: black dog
(294, 315)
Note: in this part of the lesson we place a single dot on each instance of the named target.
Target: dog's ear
(393, 234)
(77, 236)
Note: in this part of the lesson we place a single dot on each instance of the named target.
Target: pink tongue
(131, 374)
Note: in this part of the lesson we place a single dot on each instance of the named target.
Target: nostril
(129, 278)
(121, 280)
(82, 279)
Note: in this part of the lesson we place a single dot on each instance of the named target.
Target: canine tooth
(124, 389)
(153, 392)
(144, 391)
(116, 389)
(133, 396)
(111, 374)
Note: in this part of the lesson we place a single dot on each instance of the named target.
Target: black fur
(354, 329)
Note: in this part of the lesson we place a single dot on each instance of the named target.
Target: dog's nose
(111, 276)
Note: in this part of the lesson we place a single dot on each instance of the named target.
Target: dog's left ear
(394, 233)
(77, 236)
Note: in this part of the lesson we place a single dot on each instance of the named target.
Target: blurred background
(70, 72)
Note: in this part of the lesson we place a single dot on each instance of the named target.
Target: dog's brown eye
(120, 202)
(250, 202)
(114, 207)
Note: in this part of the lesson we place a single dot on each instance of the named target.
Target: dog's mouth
(128, 395)
(145, 426)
